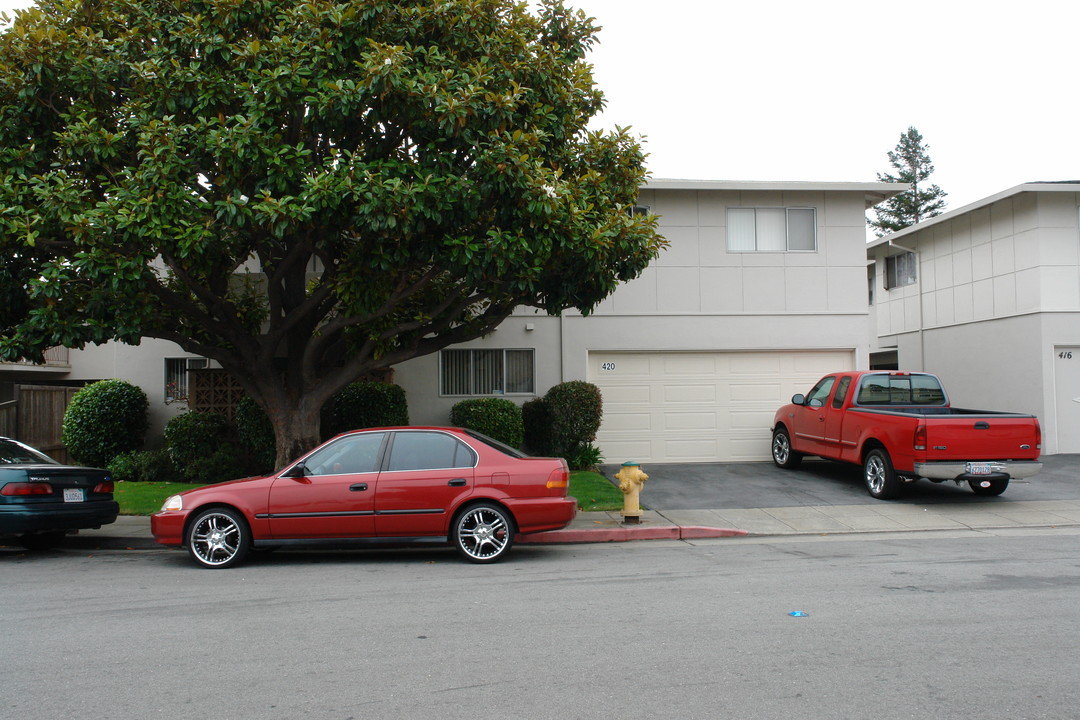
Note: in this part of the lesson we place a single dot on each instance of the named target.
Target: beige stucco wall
(698, 296)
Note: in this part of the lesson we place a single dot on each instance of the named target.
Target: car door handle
(358, 487)
(457, 482)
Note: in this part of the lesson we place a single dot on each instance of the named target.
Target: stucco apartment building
(988, 297)
(763, 288)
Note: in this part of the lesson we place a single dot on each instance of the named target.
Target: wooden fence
(36, 417)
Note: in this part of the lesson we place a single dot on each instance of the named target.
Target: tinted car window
(12, 452)
(429, 451)
(841, 392)
(348, 455)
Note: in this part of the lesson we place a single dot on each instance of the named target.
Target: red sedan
(384, 484)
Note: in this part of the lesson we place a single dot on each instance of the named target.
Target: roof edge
(1072, 186)
(873, 192)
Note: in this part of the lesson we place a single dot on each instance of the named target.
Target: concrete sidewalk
(133, 532)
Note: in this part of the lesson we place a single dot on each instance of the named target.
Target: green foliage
(536, 418)
(146, 498)
(433, 160)
(576, 409)
(143, 466)
(201, 448)
(498, 418)
(911, 160)
(585, 456)
(256, 434)
(105, 419)
(594, 492)
(368, 404)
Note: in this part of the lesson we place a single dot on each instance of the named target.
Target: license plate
(73, 495)
(979, 469)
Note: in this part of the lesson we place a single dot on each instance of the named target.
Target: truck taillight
(920, 438)
(1038, 435)
(23, 488)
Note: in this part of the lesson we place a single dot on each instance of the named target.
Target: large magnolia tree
(304, 191)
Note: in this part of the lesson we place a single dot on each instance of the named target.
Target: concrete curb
(626, 533)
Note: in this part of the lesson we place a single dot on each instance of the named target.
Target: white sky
(796, 90)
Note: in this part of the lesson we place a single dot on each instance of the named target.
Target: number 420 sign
(608, 366)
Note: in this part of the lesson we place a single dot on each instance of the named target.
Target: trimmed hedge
(367, 404)
(105, 419)
(576, 409)
(143, 466)
(256, 434)
(201, 447)
(498, 418)
(536, 417)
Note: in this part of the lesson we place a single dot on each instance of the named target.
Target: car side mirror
(298, 470)
(798, 399)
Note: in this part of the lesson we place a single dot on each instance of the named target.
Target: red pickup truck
(900, 427)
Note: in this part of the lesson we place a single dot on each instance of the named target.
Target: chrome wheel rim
(483, 533)
(875, 474)
(215, 539)
(781, 448)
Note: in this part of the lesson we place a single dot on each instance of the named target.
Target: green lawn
(592, 490)
(145, 498)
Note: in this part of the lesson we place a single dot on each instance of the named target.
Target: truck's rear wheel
(881, 479)
(989, 487)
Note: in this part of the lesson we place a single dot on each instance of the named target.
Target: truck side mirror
(798, 399)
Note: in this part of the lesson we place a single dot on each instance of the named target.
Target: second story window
(900, 270)
(771, 230)
(176, 377)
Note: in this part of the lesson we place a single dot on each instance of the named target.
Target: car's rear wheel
(41, 541)
(219, 538)
(881, 479)
(989, 487)
(483, 533)
(782, 454)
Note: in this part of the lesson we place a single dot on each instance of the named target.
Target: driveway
(700, 486)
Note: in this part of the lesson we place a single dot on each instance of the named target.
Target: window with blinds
(771, 230)
(486, 372)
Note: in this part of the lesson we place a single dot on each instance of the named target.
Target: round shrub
(576, 409)
(537, 420)
(368, 404)
(103, 420)
(498, 418)
(200, 447)
(256, 434)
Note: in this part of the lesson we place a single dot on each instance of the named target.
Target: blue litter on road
(799, 613)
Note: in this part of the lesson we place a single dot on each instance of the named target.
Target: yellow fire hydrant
(631, 479)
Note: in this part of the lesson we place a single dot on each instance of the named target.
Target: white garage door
(697, 406)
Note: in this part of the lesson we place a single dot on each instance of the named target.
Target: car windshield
(15, 453)
(492, 442)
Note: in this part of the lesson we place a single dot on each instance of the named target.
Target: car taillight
(920, 437)
(559, 478)
(104, 487)
(34, 488)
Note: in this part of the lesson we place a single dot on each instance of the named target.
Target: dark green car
(42, 500)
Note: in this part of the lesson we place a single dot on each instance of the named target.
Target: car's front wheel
(881, 479)
(218, 538)
(483, 533)
(782, 454)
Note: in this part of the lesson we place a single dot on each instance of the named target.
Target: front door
(335, 497)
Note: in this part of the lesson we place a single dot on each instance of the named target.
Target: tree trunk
(296, 429)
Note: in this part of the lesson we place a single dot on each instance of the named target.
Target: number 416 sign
(1065, 354)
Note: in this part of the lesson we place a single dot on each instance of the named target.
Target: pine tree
(912, 162)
